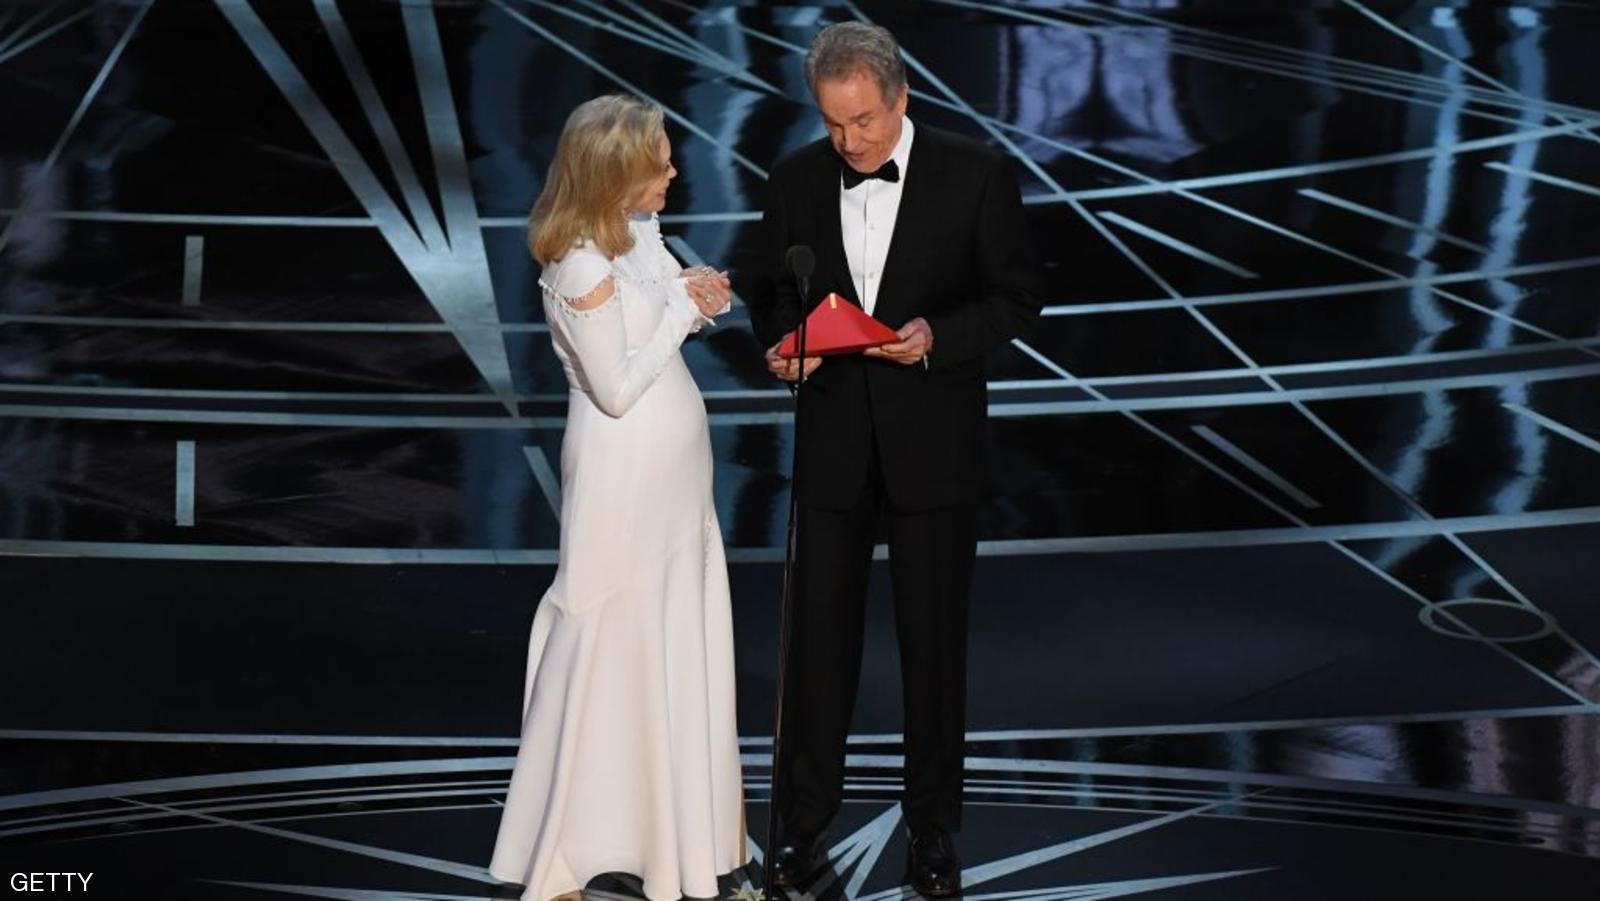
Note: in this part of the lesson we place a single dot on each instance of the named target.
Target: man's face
(863, 125)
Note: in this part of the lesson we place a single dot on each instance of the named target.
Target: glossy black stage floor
(1288, 579)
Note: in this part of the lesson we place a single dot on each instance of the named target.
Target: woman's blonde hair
(609, 150)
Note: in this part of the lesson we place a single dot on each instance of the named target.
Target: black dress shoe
(796, 861)
(933, 869)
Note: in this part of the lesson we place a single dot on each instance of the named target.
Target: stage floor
(1287, 578)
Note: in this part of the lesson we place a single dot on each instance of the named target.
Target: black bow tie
(889, 171)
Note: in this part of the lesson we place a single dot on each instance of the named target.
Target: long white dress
(629, 760)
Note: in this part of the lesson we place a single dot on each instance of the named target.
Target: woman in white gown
(629, 760)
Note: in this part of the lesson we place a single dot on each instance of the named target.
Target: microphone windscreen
(801, 261)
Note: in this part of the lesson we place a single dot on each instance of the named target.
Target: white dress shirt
(866, 221)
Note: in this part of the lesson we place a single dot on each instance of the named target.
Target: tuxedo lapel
(918, 204)
(829, 234)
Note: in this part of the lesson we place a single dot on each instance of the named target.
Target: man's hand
(788, 368)
(916, 342)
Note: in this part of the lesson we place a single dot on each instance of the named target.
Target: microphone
(801, 261)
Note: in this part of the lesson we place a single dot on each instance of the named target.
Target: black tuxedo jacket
(960, 258)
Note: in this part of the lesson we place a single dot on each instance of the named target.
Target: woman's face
(654, 196)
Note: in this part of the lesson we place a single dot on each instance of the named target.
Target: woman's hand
(709, 289)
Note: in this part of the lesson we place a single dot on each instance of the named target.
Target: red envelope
(838, 326)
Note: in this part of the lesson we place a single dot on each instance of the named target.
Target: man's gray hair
(844, 48)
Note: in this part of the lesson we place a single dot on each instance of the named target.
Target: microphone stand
(791, 588)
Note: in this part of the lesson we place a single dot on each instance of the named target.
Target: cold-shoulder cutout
(595, 299)
(582, 278)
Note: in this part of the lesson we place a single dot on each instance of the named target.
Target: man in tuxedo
(924, 230)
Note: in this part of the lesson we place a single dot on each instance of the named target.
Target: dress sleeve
(700, 320)
(589, 296)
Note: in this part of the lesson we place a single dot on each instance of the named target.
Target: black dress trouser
(930, 561)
